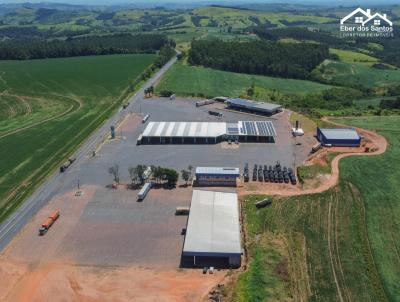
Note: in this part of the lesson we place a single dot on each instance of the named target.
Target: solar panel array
(232, 128)
(261, 128)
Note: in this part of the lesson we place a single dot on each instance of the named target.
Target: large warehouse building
(213, 230)
(207, 132)
(340, 137)
(254, 107)
(215, 176)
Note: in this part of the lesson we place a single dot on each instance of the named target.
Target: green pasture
(199, 81)
(67, 100)
(340, 245)
(358, 74)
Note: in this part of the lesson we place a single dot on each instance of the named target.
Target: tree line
(86, 46)
(288, 60)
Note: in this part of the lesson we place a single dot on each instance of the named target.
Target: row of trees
(87, 46)
(137, 174)
(390, 103)
(288, 60)
(302, 34)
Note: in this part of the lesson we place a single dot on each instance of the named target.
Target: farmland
(358, 74)
(352, 56)
(48, 108)
(198, 81)
(341, 245)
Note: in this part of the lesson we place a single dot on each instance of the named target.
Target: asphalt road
(11, 227)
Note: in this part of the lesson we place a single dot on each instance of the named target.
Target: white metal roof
(185, 129)
(217, 170)
(209, 129)
(213, 227)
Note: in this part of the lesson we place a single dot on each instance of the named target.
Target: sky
(226, 2)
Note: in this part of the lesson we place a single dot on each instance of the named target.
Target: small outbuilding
(340, 137)
(213, 230)
(216, 176)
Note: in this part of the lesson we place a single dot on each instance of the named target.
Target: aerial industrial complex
(230, 147)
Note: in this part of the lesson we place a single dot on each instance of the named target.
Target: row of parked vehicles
(275, 173)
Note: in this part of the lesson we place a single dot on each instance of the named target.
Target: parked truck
(145, 118)
(66, 165)
(143, 192)
(49, 222)
(215, 113)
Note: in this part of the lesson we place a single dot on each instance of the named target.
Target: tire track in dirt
(72, 108)
(331, 253)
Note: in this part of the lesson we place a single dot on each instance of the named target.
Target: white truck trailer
(143, 192)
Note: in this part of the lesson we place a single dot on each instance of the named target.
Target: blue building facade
(340, 137)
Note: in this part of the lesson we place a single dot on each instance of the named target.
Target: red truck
(49, 222)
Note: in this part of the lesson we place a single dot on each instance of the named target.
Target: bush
(166, 93)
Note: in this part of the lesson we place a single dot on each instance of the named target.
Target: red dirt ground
(32, 268)
(58, 281)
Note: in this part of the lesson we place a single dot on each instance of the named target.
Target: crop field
(198, 81)
(238, 18)
(359, 74)
(341, 245)
(48, 107)
(352, 56)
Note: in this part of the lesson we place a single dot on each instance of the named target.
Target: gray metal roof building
(216, 176)
(345, 137)
(213, 228)
(185, 129)
(258, 107)
(217, 171)
(208, 132)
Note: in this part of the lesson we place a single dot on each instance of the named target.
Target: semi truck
(146, 117)
(66, 165)
(215, 113)
(203, 103)
(49, 222)
(143, 192)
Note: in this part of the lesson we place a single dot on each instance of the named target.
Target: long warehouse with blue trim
(207, 132)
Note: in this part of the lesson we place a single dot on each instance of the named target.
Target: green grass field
(198, 81)
(358, 74)
(341, 245)
(48, 107)
(352, 56)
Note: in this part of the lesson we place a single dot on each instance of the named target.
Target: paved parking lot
(125, 152)
(115, 229)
